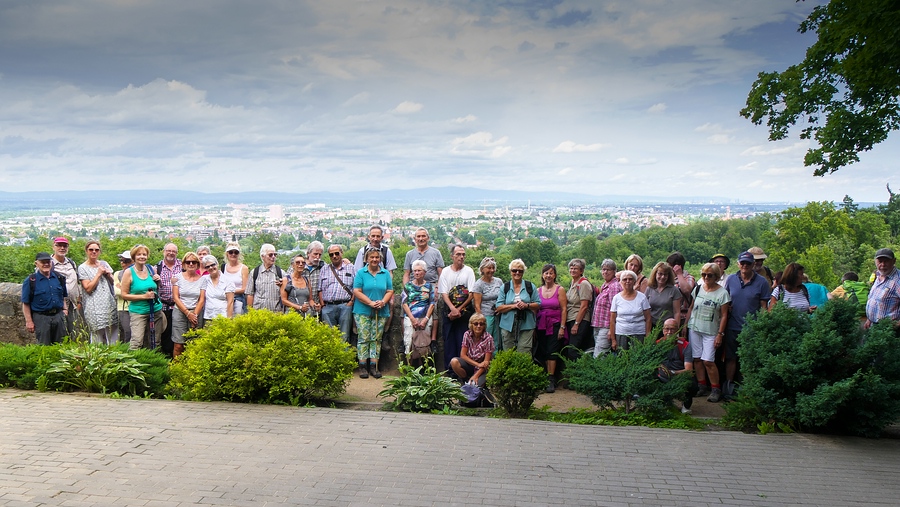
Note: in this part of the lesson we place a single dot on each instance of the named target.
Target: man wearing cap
(66, 267)
(723, 262)
(749, 292)
(125, 262)
(44, 302)
(884, 296)
(759, 257)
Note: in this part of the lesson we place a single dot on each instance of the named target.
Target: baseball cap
(125, 255)
(60, 240)
(42, 256)
(746, 257)
(885, 252)
(757, 253)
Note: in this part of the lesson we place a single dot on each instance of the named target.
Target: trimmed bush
(263, 357)
(515, 381)
(612, 380)
(421, 389)
(22, 366)
(819, 374)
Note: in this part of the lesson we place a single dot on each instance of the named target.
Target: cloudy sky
(636, 97)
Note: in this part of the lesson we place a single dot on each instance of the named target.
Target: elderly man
(884, 296)
(680, 360)
(167, 268)
(336, 291)
(314, 265)
(455, 289)
(376, 235)
(749, 292)
(264, 285)
(65, 266)
(44, 302)
(434, 261)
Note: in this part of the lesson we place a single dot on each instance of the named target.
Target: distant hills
(435, 196)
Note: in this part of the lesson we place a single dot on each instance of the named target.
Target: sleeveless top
(141, 286)
(550, 313)
(234, 278)
(298, 295)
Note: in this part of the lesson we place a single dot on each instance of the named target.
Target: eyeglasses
(233, 252)
(707, 275)
(334, 254)
(210, 267)
(479, 324)
(191, 263)
(299, 263)
(62, 245)
(627, 279)
(516, 270)
(93, 249)
(272, 255)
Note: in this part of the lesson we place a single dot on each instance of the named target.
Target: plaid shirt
(313, 274)
(329, 286)
(884, 298)
(478, 350)
(165, 282)
(600, 317)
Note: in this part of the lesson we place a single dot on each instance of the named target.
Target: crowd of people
(145, 305)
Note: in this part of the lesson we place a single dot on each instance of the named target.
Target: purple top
(550, 313)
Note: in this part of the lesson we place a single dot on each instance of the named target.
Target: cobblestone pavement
(73, 450)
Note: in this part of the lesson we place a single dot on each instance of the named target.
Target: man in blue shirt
(749, 292)
(43, 302)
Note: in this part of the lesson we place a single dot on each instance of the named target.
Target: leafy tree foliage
(845, 92)
(818, 374)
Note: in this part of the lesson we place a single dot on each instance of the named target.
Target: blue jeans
(338, 316)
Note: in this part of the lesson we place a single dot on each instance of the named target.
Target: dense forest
(827, 239)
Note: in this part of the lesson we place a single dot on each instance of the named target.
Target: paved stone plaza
(74, 450)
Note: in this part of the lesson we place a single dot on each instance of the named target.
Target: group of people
(480, 315)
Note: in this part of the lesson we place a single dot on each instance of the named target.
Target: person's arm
(29, 323)
(405, 276)
(245, 274)
(126, 290)
(723, 322)
(477, 297)
(563, 303)
(464, 355)
(771, 304)
(481, 368)
(249, 290)
(582, 312)
(90, 285)
(198, 310)
(229, 304)
(648, 326)
(613, 344)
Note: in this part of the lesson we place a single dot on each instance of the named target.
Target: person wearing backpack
(791, 291)
(44, 302)
(264, 285)
(62, 264)
(517, 305)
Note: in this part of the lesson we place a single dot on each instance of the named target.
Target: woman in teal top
(139, 289)
(373, 291)
(517, 305)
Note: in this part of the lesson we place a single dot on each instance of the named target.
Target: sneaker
(704, 391)
(715, 396)
(551, 387)
(685, 410)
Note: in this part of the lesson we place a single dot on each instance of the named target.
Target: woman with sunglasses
(235, 271)
(295, 293)
(217, 292)
(517, 305)
(475, 354)
(485, 293)
(99, 299)
(188, 298)
(707, 319)
(629, 313)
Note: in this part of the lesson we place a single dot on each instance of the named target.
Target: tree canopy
(845, 92)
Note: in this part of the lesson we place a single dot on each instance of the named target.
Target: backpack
(529, 288)
(32, 280)
(255, 275)
(595, 291)
(858, 292)
(421, 345)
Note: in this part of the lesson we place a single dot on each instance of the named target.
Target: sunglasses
(272, 255)
(334, 254)
(194, 263)
(93, 249)
(516, 270)
(233, 252)
(479, 324)
(210, 267)
(299, 263)
(707, 275)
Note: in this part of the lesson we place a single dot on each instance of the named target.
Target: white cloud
(465, 119)
(481, 143)
(778, 150)
(719, 139)
(572, 147)
(621, 160)
(408, 107)
(564, 171)
(359, 98)
(657, 108)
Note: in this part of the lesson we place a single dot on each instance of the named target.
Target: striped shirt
(266, 294)
(884, 298)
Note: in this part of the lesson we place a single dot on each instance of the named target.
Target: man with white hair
(434, 261)
(264, 285)
(314, 265)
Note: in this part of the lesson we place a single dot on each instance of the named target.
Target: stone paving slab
(73, 450)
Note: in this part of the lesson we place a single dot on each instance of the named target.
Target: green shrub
(96, 369)
(817, 374)
(155, 366)
(22, 366)
(263, 357)
(421, 389)
(616, 378)
(515, 381)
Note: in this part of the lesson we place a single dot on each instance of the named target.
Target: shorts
(731, 344)
(703, 346)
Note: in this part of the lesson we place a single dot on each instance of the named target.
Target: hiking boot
(715, 396)
(551, 387)
(376, 373)
(704, 391)
(363, 371)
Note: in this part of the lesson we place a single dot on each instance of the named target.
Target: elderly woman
(475, 353)
(791, 291)
(578, 299)
(707, 319)
(202, 251)
(417, 301)
(236, 272)
(629, 313)
(99, 296)
(551, 330)
(217, 292)
(139, 288)
(295, 294)
(517, 305)
(635, 264)
(188, 296)
(664, 296)
(485, 294)
(455, 287)
(602, 303)
(373, 292)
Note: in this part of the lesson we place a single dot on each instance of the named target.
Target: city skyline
(599, 98)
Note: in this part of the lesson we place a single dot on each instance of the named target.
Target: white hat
(125, 255)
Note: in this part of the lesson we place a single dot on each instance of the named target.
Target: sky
(637, 97)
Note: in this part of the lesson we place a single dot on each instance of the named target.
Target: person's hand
(279, 282)
(304, 307)
(613, 344)
(149, 295)
(718, 341)
(29, 326)
(867, 324)
(192, 318)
